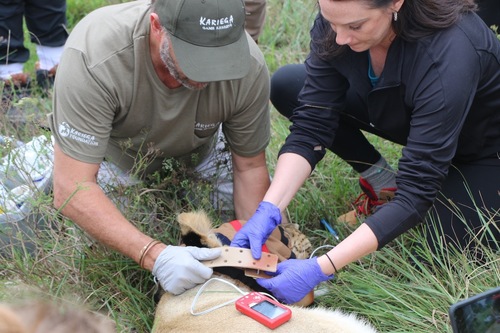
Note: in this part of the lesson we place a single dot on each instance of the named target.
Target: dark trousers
(470, 187)
(45, 20)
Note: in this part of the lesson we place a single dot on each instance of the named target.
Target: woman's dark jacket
(439, 97)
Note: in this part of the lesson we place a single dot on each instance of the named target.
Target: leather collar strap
(242, 258)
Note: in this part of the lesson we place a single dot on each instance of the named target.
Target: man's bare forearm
(79, 198)
(95, 213)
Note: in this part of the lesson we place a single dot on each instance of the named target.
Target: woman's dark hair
(416, 19)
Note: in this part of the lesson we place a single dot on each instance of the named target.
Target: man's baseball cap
(208, 37)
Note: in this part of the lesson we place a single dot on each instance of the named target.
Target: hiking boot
(18, 80)
(15, 88)
(45, 78)
(367, 202)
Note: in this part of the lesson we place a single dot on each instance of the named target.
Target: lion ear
(196, 230)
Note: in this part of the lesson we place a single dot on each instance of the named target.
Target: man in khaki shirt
(175, 76)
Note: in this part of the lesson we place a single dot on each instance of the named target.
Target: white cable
(218, 306)
(319, 248)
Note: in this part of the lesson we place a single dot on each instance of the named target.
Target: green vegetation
(386, 288)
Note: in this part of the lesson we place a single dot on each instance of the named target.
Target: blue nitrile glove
(257, 230)
(178, 269)
(294, 279)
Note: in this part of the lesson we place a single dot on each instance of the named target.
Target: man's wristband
(145, 250)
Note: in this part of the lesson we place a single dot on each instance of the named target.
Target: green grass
(384, 287)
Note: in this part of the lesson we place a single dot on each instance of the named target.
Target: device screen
(268, 309)
(480, 315)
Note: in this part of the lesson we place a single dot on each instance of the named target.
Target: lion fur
(36, 316)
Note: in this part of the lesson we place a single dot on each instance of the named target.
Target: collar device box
(263, 309)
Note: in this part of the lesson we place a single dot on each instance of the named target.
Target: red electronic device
(263, 309)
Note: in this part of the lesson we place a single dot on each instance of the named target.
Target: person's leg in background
(255, 17)
(46, 21)
(465, 213)
(13, 54)
(216, 169)
(286, 84)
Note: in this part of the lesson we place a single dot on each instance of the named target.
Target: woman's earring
(395, 16)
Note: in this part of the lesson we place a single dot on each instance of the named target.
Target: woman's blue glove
(294, 279)
(257, 230)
